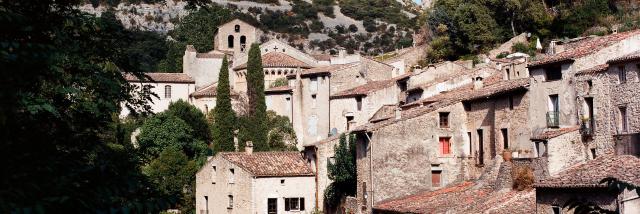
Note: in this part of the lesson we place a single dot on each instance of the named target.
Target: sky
(417, 1)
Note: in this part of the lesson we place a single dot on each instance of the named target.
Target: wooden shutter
(445, 147)
(435, 178)
(301, 204)
(287, 206)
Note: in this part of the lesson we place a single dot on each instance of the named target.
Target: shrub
(522, 178)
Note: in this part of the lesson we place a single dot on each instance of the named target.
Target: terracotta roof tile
(277, 60)
(594, 70)
(279, 89)
(385, 112)
(161, 77)
(465, 197)
(209, 91)
(321, 57)
(548, 134)
(584, 47)
(628, 57)
(365, 89)
(589, 174)
(270, 164)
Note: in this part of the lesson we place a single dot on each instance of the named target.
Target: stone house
(609, 108)
(318, 154)
(437, 135)
(236, 37)
(582, 183)
(169, 87)
(275, 65)
(260, 182)
(278, 99)
(205, 98)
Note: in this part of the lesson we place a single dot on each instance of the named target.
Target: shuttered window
(435, 178)
(294, 204)
(445, 145)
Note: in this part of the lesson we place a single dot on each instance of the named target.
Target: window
(470, 147)
(272, 206)
(213, 174)
(591, 121)
(436, 175)
(623, 119)
(403, 86)
(364, 192)
(243, 43)
(541, 148)
(167, 92)
(622, 74)
(508, 72)
(349, 120)
(282, 182)
(589, 85)
(466, 106)
(231, 175)
(554, 104)
(511, 102)
(230, 41)
(505, 138)
(445, 145)
(230, 202)
(553, 119)
(206, 203)
(444, 119)
(553, 73)
(237, 28)
(293, 204)
(593, 153)
(359, 103)
(480, 147)
(555, 209)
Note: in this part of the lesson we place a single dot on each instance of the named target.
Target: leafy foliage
(342, 171)
(173, 174)
(193, 117)
(281, 136)
(223, 113)
(165, 130)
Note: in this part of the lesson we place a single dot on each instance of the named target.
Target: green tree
(166, 130)
(224, 115)
(257, 112)
(193, 117)
(173, 173)
(56, 118)
(281, 137)
(342, 171)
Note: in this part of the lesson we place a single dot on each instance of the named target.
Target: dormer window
(553, 73)
(237, 28)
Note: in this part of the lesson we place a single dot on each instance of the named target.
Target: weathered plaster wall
(565, 151)
(280, 103)
(179, 91)
(370, 104)
(293, 187)
(217, 188)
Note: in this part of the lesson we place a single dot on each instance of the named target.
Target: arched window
(237, 28)
(243, 43)
(167, 92)
(230, 41)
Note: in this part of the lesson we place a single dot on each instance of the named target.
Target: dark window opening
(444, 119)
(470, 144)
(237, 28)
(480, 147)
(272, 206)
(403, 85)
(556, 209)
(293, 204)
(230, 41)
(511, 102)
(623, 119)
(359, 103)
(589, 85)
(349, 120)
(505, 138)
(593, 153)
(508, 74)
(230, 202)
(622, 74)
(466, 106)
(243, 43)
(553, 73)
(282, 181)
(590, 123)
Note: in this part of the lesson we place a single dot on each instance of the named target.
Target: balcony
(553, 119)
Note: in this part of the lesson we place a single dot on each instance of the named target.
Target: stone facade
(236, 37)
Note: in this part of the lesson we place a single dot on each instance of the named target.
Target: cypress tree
(257, 113)
(223, 113)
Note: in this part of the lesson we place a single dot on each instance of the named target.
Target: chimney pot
(248, 148)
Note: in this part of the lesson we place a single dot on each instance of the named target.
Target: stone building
(275, 65)
(236, 37)
(260, 182)
(582, 183)
(169, 87)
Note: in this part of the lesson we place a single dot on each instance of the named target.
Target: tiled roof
(452, 76)
(279, 89)
(584, 47)
(209, 91)
(594, 70)
(365, 89)
(624, 168)
(161, 77)
(548, 134)
(385, 112)
(462, 198)
(324, 69)
(270, 164)
(628, 57)
(464, 93)
(277, 60)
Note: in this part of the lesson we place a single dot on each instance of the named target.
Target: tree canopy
(225, 125)
(342, 171)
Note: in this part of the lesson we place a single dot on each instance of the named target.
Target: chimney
(477, 83)
(342, 53)
(248, 148)
(398, 113)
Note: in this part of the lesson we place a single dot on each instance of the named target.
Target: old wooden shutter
(444, 146)
(435, 178)
(287, 206)
(301, 204)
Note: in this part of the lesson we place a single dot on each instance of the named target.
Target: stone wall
(565, 151)
(179, 91)
(547, 198)
(216, 186)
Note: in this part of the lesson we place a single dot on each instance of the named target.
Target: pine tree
(257, 113)
(223, 112)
